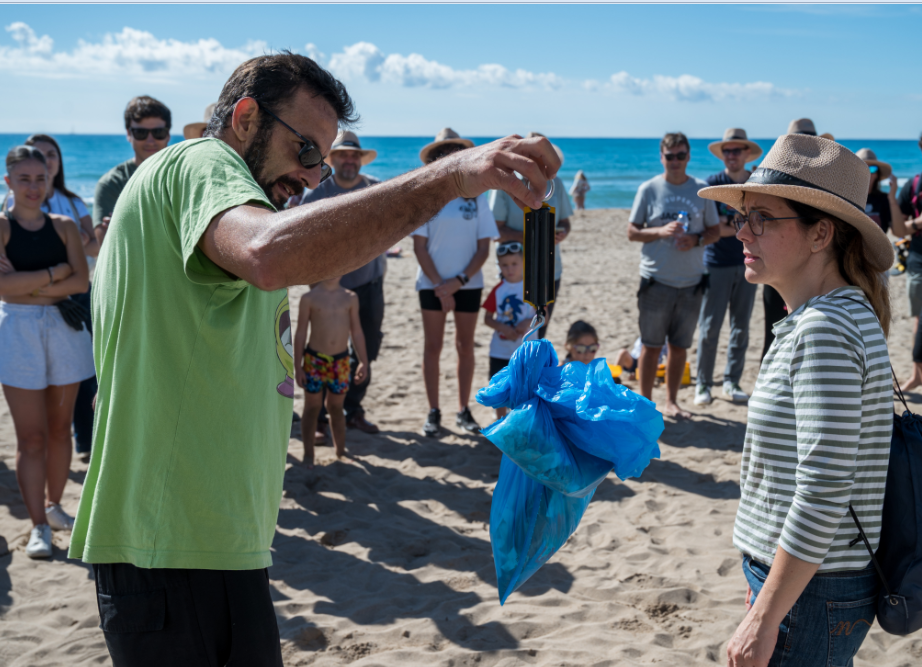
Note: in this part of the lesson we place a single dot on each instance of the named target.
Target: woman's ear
(821, 235)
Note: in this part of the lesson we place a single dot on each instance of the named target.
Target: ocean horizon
(615, 167)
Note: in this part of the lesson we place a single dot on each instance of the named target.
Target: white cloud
(365, 60)
(688, 88)
(312, 52)
(129, 52)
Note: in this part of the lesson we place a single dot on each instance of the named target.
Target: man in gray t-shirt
(347, 157)
(674, 224)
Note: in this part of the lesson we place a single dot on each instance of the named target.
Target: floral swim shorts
(325, 370)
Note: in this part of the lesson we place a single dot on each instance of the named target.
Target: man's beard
(348, 172)
(255, 158)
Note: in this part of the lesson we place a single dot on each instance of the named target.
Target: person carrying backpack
(906, 210)
(821, 414)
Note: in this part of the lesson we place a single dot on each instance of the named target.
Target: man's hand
(686, 242)
(490, 167)
(671, 229)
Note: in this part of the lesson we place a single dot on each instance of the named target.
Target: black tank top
(34, 251)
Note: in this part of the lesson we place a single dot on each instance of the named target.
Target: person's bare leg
(59, 406)
(433, 334)
(337, 422)
(916, 379)
(465, 325)
(27, 406)
(675, 366)
(312, 405)
(646, 369)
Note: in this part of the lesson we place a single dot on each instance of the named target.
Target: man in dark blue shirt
(727, 286)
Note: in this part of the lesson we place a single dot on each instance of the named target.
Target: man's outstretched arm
(333, 236)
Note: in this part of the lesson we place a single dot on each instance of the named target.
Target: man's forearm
(330, 237)
(643, 235)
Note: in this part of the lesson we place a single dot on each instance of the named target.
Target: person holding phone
(147, 127)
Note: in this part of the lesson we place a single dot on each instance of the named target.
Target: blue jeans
(727, 288)
(829, 621)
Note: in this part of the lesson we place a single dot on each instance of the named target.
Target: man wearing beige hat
(727, 286)
(347, 157)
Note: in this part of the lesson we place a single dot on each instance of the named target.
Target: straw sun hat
(822, 174)
(806, 126)
(194, 130)
(348, 141)
(870, 159)
(735, 135)
(445, 136)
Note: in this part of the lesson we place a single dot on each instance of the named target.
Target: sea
(615, 167)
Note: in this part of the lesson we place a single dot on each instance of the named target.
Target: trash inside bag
(567, 428)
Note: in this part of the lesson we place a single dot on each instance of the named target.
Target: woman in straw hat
(820, 417)
(451, 249)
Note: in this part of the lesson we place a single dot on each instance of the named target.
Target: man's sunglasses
(681, 157)
(733, 151)
(140, 133)
(757, 221)
(309, 155)
(583, 349)
(511, 248)
(873, 168)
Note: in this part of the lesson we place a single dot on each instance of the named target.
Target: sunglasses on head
(680, 156)
(873, 168)
(733, 151)
(140, 133)
(309, 156)
(513, 247)
(584, 349)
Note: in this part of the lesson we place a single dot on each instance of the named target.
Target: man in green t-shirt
(147, 126)
(193, 351)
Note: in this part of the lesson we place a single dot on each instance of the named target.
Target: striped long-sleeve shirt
(818, 436)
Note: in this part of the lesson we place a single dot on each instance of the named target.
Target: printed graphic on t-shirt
(509, 311)
(469, 209)
(507, 303)
(284, 349)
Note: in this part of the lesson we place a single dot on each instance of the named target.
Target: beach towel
(568, 427)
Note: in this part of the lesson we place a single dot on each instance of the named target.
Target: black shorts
(466, 300)
(186, 618)
(496, 365)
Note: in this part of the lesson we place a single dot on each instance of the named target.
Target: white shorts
(38, 348)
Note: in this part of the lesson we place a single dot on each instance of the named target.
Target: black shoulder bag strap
(861, 536)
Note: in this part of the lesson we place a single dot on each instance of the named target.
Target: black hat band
(763, 176)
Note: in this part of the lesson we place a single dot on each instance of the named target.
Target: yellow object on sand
(615, 369)
(686, 374)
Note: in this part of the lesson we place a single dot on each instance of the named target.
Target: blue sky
(486, 70)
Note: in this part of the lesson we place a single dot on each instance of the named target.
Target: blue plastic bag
(568, 427)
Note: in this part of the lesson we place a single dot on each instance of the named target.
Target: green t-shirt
(195, 379)
(108, 189)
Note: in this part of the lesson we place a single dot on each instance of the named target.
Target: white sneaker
(703, 395)
(39, 542)
(734, 393)
(58, 519)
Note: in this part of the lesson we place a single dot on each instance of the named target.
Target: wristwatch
(463, 278)
(700, 240)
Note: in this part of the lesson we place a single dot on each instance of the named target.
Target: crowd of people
(199, 248)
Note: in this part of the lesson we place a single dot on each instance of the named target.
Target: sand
(386, 560)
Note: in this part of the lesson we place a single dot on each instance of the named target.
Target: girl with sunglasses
(582, 343)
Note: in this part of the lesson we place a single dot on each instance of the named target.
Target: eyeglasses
(872, 168)
(733, 151)
(511, 248)
(757, 221)
(140, 133)
(584, 349)
(681, 157)
(309, 155)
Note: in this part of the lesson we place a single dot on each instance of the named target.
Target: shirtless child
(332, 312)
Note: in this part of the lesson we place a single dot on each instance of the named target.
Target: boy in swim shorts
(331, 313)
